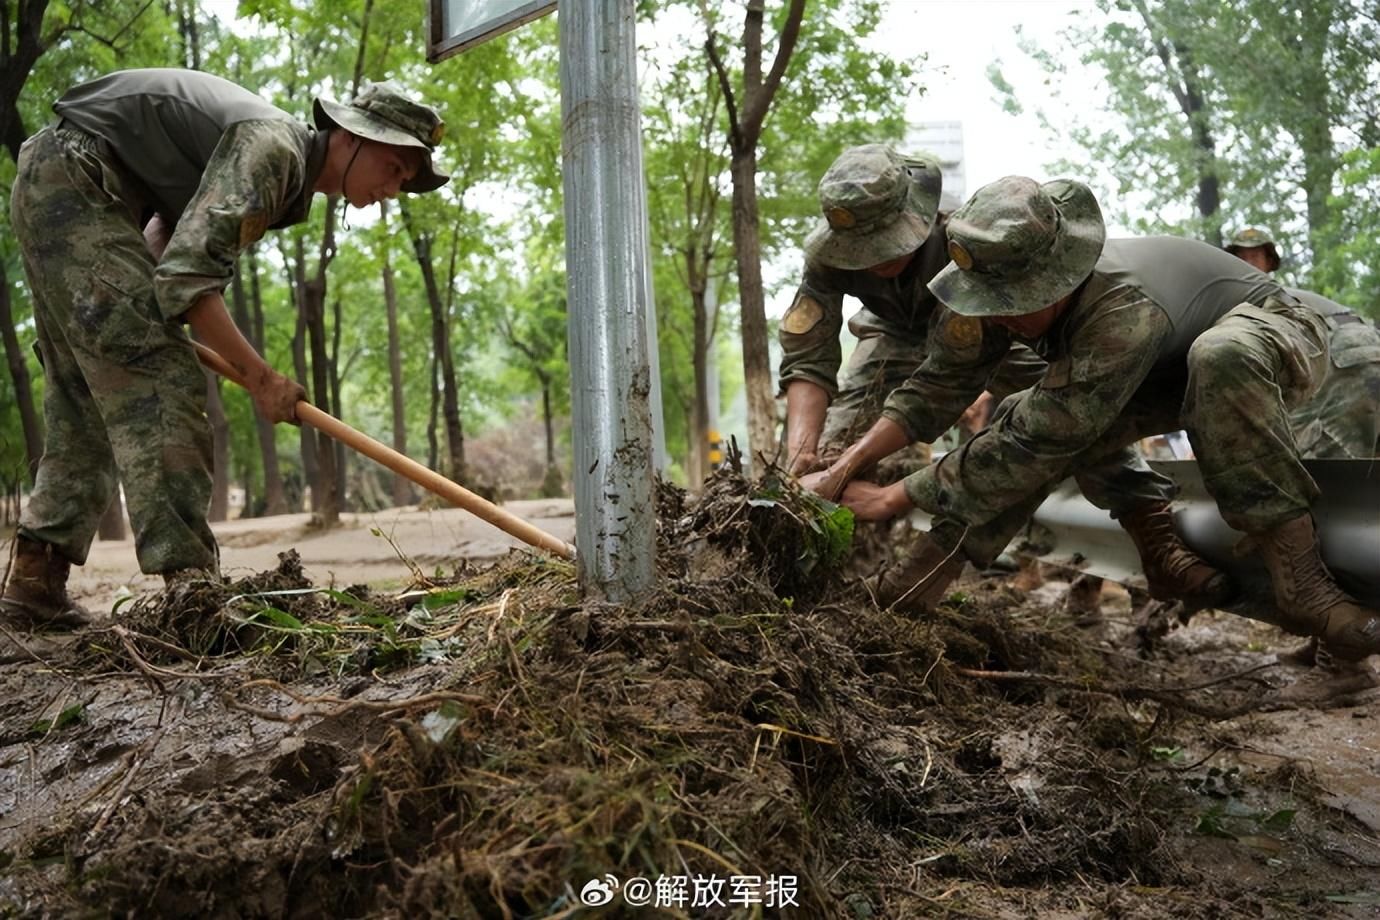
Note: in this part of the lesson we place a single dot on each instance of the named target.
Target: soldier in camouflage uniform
(1255, 246)
(1342, 421)
(881, 241)
(130, 213)
(1142, 336)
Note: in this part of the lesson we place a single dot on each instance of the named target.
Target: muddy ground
(482, 743)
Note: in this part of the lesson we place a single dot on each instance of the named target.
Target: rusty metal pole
(610, 295)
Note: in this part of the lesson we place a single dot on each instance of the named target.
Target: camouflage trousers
(1342, 420)
(1244, 376)
(880, 363)
(124, 392)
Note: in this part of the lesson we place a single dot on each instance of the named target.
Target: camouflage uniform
(878, 206)
(1342, 421)
(1164, 333)
(125, 391)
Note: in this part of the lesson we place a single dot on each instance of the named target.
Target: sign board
(459, 24)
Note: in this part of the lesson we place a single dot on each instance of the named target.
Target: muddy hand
(276, 397)
(871, 502)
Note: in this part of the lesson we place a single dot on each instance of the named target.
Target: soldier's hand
(827, 483)
(871, 502)
(276, 397)
(806, 462)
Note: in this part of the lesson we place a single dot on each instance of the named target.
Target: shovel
(432, 481)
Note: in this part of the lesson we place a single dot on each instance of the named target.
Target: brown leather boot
(36, 589)
(1309, 601)
(920, 579)
(1173, 572)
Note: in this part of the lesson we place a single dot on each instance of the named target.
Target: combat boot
(36, 589)
(1309, 601)
(1173, 572)
(920, 579)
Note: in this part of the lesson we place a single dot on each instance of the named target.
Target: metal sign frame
(441, 46)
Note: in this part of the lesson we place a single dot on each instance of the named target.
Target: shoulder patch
(962, 332)
(803, 315)
(252, 228)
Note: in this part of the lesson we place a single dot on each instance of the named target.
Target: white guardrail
(1067, 530)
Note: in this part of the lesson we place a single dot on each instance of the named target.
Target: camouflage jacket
(902, 306)
(1126, 329)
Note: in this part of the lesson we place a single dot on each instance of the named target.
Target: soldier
(1142, 336)
(881, 241)
(1343, 420)
(1255, 246)
(130, 212)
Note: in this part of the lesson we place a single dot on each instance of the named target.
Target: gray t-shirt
(164, 125)
(1194, 284)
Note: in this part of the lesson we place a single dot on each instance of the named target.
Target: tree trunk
(306, 436)
(440, 337)
(402, 487)
(275, 499)
(23, 46)
(325, 497)
(220, 451)
(699, 412)
(433, 447)
(761, 404)
(19, 373)
(1314, 134)
(342, 456)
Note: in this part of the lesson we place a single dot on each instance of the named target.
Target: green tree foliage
(1225, 113)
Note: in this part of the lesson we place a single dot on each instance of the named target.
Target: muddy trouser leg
(1342, 420)
(879, 364)
(124, 389)
(1245, 374)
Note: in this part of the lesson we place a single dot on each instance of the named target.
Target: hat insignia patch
(961, 256)
(840, 218)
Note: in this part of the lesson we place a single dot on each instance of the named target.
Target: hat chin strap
(344, 177)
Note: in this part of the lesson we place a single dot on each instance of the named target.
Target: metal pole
(609, 297)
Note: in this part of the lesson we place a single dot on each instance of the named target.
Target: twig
(341, 705)
(1168, 696)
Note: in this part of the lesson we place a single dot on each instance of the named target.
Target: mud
(484, 744)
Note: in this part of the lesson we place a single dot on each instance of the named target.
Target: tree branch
(756, 106)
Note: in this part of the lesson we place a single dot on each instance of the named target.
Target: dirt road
(350, 554)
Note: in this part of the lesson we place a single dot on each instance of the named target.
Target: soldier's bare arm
(806, 405)
(275, 396)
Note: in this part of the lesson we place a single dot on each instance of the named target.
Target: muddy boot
(36, 589)
(1083, 601)
(1173, 572)
(919, 580)
(1305, 656)
(1331, 681)
(1309, 601)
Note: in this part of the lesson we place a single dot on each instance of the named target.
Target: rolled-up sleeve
(1036, 440)
(963, 354)
(256, 171)
(809, 336)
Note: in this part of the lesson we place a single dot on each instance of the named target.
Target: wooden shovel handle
(430, 480)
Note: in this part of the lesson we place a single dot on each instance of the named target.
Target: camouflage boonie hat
(1018, 246)
(1254, 238)
(382, 112)
(878, 206)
